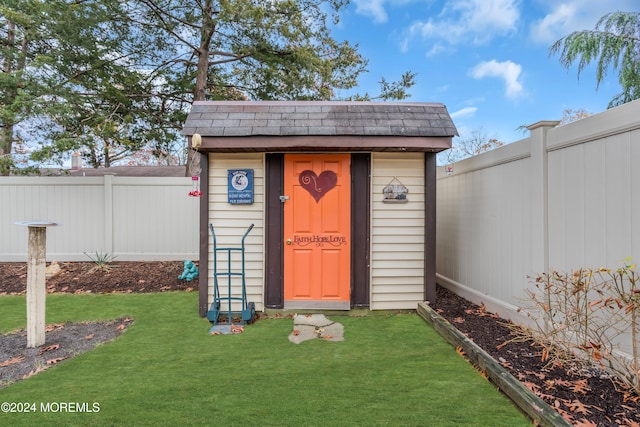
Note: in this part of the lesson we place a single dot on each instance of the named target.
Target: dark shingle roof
(316, 118)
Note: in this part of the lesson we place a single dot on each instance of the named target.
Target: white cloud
(478, 21)
(376, 8)
(564, 17)
(486, 18)
(561, 21)
(464, 113)
(373, 8)
(508, 71)
(435, 49)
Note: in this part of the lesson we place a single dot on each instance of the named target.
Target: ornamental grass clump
(587, 318)
(102, 261)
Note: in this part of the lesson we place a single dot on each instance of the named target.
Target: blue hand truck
(247, 313)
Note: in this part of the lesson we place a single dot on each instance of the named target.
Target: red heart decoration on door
(316, 185)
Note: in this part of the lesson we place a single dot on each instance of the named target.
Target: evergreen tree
(67, 82)
(108, 78)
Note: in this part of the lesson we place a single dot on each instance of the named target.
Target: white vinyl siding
(397, 233)
(231, 222)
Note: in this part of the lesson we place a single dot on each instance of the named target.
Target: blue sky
(486, 60)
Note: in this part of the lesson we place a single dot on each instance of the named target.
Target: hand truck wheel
(252, 309)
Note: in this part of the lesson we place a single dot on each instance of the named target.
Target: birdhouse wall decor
(395, 192)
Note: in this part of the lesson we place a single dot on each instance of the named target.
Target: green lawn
(167, 370)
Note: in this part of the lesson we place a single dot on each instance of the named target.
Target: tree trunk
(6, 134)
(6, 139)
(206, 34)
(202, 73)
(14, 60)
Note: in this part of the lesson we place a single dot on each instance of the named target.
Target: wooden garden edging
(525, 399)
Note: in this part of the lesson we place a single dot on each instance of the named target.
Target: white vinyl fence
(131, 218)
(565, 198)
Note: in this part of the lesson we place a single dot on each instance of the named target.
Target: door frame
(360, 230)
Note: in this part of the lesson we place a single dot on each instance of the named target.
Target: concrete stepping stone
(311, 326)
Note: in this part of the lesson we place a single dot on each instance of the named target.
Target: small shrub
(583, 317)
(102, 260)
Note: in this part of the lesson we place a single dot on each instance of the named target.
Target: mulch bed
(62, 341)
(584, 397)
(116, 276)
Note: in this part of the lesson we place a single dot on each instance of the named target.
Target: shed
(311, 176)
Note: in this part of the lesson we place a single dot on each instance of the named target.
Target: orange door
(317, 225)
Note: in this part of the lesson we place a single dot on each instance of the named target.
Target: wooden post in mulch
(36, 289)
